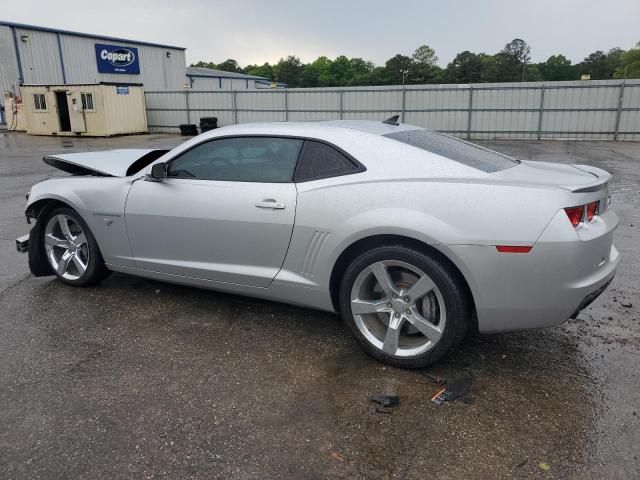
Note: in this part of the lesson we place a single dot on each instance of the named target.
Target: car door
(225, 212)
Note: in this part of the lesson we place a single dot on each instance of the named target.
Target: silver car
(413, 236)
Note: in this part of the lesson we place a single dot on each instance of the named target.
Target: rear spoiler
(601, 180)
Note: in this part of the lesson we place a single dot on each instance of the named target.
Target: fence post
(619, 113)
(234, 105)
(404, 99)
(286, 105)
(540, 111)
(186, 102)
(470, 111)
(341, 107)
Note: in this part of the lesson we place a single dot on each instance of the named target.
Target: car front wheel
(404, 307)
(71, 249)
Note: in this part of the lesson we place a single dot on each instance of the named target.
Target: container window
(39, 101)
(87, 101)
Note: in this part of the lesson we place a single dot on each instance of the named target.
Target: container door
(76, 113)
(63, 111)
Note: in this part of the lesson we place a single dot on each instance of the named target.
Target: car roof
(372, 127)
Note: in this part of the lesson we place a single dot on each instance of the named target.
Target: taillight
(592, 210)
(575, 215)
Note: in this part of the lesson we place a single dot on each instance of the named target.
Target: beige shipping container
(96, 110)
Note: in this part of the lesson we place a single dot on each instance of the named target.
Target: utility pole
(404, 74)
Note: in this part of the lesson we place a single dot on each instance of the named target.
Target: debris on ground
(626, 305)
(456, 388)
(437, 379)
(336, 455)
(384, 401)
(544, 466)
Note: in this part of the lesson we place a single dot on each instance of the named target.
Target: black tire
(96, 270)
(446, 279)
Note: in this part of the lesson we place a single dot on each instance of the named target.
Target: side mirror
(158, 172)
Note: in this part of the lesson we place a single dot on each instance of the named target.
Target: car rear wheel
(71, 249)
(405, 308)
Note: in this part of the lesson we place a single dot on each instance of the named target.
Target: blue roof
(88, 35)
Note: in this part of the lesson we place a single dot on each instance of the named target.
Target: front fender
(99, 201)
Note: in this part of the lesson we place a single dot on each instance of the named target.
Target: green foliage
(600, 65)
(629, 66)
(265, 70)
(465, 68)
(511, 64)
(288, 70)
(558, 67)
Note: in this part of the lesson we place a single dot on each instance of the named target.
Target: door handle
(270, 203)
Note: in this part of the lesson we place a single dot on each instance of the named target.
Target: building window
(39, 101)
(87, 101)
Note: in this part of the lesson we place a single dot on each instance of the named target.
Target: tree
(423, 65)
(629, 66)
(600, 65)
(425, 55)
(359, 72)
(202, 64)
(558, 67)
(288, 70)
(466, 67)
(511, 61)
(394, 67)
(317, 74)
(489, 70)
(265, 70)
(229, 65)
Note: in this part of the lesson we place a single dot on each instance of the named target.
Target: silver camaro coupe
(413, 236)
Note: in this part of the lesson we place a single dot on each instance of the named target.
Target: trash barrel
(208, 123)
(188, 130)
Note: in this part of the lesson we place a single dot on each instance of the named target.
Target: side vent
(313, 250)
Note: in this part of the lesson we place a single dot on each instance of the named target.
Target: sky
(261, 31)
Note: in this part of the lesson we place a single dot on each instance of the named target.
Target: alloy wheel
(398, 308)
(66, 247)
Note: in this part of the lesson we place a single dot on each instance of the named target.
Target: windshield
(455, 149)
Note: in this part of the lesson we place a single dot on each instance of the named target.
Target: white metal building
(37, 55)
(210, 79)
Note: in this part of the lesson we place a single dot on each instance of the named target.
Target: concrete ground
(140, 379)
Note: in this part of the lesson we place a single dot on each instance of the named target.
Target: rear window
(455, 149)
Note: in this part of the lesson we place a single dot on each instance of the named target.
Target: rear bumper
(562, 274)
(588, 300)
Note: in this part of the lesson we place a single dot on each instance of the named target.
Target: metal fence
(587, 110)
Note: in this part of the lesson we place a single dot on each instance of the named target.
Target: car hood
(111, 163)
(575, 178)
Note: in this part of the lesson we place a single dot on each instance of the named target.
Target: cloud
(254, 31)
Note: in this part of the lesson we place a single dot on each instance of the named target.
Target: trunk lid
(110, 163)
(575, 178)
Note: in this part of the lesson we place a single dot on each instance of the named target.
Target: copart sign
(115, 59)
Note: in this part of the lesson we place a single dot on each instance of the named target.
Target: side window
(87, 101)
(39, 101)
(240, 159)
(322, 161)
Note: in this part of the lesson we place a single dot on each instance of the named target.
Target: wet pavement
(141, 379)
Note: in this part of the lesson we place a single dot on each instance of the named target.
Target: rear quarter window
(455, 149)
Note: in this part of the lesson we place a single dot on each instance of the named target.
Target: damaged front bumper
(22, 243)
